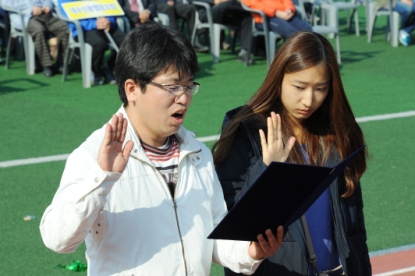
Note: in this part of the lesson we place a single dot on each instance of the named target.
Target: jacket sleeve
(240, 170)
(270, 7)
(77, 203)
(113, 22)
(227, 253)
(367, 268)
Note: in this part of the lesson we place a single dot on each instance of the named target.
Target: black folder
(280, 196)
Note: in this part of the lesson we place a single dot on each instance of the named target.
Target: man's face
(155, 113)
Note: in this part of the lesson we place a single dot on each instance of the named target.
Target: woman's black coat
(244, 164)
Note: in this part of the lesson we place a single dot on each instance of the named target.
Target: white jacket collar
(186, 139)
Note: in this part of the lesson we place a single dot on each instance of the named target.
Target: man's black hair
(150, 49)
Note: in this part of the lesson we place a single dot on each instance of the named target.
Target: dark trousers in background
(179, 10)
(40, 28)
(99, 42)
(232, 13)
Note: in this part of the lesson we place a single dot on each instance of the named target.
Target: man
(40, 25)
(147, 198)
(138, 11)
(176, 9)
(230, 12)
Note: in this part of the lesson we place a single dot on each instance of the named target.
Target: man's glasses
(176, 89)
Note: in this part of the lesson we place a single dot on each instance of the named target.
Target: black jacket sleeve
(366, 266)
(240, 170)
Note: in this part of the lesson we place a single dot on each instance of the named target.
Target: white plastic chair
(28, 45)
(331, 30)
(4, 37)
(270, 37)
(85, 50)
(333, 15)
(162, 18)
(392, 26)
(214, 30)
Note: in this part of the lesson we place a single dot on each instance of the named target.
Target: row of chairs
(328, 17)
(84, 48)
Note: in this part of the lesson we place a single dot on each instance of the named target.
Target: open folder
(280, 196)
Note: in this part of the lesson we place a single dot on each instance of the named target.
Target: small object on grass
(76, 266)
(29, 217)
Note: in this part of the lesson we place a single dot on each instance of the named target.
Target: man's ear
(131, 89)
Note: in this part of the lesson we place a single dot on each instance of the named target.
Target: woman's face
(303, 92)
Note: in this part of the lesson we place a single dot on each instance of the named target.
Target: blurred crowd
(51, 33)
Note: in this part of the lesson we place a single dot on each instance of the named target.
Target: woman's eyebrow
(306, 82)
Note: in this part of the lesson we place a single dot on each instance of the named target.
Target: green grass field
(44, 117)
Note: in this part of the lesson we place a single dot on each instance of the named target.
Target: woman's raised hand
(112, 157)
(273, 147)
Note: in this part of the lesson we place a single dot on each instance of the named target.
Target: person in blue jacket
(94, 35)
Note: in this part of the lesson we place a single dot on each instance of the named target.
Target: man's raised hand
(112, 157)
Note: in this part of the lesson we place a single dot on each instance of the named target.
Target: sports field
(43, 117)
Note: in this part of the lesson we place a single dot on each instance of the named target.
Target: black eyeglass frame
(167, 87)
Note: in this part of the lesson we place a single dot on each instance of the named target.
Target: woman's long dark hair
(332, 126)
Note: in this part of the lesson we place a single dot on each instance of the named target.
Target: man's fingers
(107, 136)
(119, 127)
(262, 242)
(280, 234)
(128, 147)
(274, 242)
(123, 130)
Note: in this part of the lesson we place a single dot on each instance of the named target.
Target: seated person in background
(282, 17)
(406, 10)
(231, 12)
(4, 31)
(141, 191)
(139, 11)
(40, 25)
(177, 9)
(94, 35)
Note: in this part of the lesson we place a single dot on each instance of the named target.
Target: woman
(315, 126)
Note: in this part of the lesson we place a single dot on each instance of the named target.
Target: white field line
(61, 157)
(397, 272)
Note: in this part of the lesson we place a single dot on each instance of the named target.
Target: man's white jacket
(130, 222)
